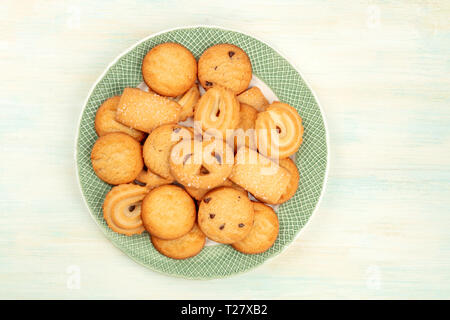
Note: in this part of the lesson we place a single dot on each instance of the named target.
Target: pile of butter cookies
(179, 182)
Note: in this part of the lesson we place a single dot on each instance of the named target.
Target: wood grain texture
(381, 71)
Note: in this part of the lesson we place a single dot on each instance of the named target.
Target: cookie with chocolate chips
(225, 215)
(226, 65)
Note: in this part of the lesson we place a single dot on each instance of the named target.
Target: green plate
(284, 80)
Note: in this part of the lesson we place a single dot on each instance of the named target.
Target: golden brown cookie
(218, 110)
(225, 215)
(201, 164)
(225, 65)
(188, 101)
(184, 247)
(260, 176)
(198, 194)
(168, 212)
(279, 131)
(264, 231)
(156, 150)
(254, 97)
(146, 111)
(122, 209)
(150, 180)
(244, 135)
(290, 166)
(117, 158)
(105, 120)
(169, 69)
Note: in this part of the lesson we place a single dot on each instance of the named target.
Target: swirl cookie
(150, 180)
(279, 131)
(169, 69)
(218, 110)
(168, 212)
(253, 97)
(201, 164)
(117, 158)
(263, 233)
(290, 166)
(105, 120)
(156, 150)
(225, 215)
(244, 135)
(184, 247)
(225, 65)
(198, 194)
(146, 111)
(260, 176)
(122, 209)
(188, 101)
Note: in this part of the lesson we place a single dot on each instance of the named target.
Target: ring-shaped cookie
(279, 131)
(122, 209)
(218, 109)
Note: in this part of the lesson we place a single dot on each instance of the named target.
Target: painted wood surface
(381, 71)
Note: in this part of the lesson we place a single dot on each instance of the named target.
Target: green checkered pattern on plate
(221, 260)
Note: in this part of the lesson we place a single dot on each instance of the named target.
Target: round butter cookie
(253, 97)
(188, 101)
(117, 158)
(279, 130)
(168, 212)
(218, 110)
(201, 164)
(150, 180)
(225, 65)
(263, 233)
(292, 187)
(169, 69)
(244, 134)
(198, 194)
(122, 209)
(225, 215)
(156, 150)
(184, 247)
(105, 120)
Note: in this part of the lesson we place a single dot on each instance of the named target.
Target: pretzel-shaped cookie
(122, 209)
(201, 164)
(218, 109)
(279, 131)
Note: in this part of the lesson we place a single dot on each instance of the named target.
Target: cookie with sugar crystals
(146, 111)
(201, 164)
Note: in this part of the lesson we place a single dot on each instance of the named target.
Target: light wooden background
(381, 71)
